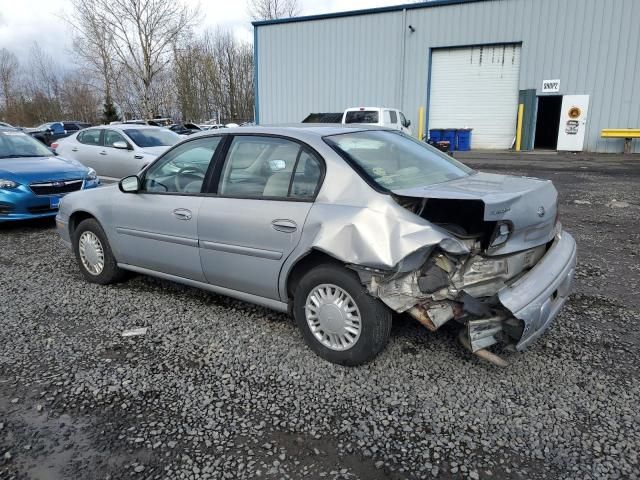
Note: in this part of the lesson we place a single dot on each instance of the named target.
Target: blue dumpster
(449, 135)
(463, 139)
(435, 134)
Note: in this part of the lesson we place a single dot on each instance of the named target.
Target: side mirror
(408, 123)
(120, 144)
(130, 184)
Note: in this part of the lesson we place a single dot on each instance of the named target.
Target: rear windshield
(152, 137)
(361, 116)
(395, 161)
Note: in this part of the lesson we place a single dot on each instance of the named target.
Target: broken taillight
(501, 234)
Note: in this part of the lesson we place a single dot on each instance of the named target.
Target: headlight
(92, 175)
(8, 184)
(501, 234)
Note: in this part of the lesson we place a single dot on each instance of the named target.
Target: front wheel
(338, 319)
(93, 254)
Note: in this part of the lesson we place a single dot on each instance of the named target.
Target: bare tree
(93, 43)
(8, 72)
(273, 9)
(141, 33)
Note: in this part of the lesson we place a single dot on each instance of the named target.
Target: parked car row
(50, 132)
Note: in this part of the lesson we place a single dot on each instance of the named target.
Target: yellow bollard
(420, 123)
(519, 127)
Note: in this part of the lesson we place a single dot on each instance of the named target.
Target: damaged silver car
(340, 226)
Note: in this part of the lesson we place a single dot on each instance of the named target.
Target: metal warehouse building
(570, 66)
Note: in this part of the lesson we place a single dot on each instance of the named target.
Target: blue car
(33, 179)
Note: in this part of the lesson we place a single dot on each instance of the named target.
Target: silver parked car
(341, 226)
(116, 151)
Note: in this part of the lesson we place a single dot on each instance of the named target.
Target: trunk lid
(530, 205)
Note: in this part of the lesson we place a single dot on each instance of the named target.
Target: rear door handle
(284, 225)
(103, 152)
(182, 214)
(138, 157)
(74, 149)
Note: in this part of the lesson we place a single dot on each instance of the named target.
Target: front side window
(361, 116)
(152, 137)
(403, 120)
(183, 169)
(395, 161)
(269, 167)
(394, 117)
(111, 137)
(90, 137)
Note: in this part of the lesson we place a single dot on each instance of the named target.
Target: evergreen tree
(109, 114)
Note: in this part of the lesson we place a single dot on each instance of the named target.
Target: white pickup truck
(385, 117)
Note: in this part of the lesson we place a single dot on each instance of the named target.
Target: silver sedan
(341, 227)
(115, 151)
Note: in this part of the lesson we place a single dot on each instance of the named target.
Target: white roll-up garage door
(476, 87)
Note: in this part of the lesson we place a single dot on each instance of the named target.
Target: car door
(86, 149)
(156, 227)
(121, 161)
(253, 219)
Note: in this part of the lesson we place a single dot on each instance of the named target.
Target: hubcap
(91, 253)
(333, 317)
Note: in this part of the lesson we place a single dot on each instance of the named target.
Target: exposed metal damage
(475, 288)
(486, 252)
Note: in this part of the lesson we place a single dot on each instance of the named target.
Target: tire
(374, 317)
(109, 273)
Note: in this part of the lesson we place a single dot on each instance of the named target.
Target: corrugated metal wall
(592, 46)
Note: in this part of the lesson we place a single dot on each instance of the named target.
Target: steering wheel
(189, 171)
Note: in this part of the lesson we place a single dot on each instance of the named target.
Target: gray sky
(24, 21)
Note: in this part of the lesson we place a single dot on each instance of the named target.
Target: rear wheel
(338, 319)
(93, 254)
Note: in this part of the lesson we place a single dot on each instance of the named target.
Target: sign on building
(551, 86)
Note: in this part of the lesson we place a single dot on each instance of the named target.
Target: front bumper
(22, 204)
(538, 296)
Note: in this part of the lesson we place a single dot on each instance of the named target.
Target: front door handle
(182, 214)
(103, 152)
(74, 149)
(284, 225)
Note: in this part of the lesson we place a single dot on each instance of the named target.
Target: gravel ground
(222, 389)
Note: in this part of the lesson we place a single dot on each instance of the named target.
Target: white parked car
(116, 151)
(381, 116)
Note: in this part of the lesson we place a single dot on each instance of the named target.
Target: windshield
(17, 144)
(396, 161)
(361, 116)
(152, 137)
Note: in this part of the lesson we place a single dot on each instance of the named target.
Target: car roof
(295, 129)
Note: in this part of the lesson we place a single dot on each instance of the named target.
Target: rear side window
(269, 167)
(89, 137)
(306, 177)
(361, 116)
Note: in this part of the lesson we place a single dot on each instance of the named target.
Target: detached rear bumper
(537, 297)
